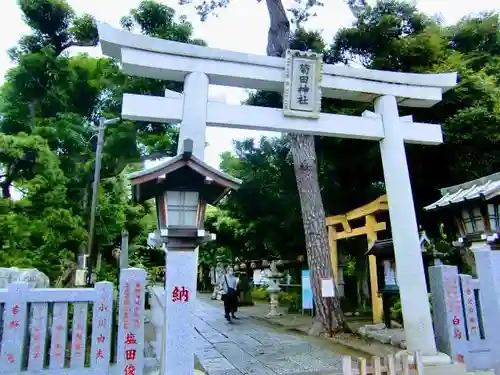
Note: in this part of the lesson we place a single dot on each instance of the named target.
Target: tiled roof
(483, 188)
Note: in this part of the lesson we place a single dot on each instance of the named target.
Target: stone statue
(274, 267)
(219, 273)
(212, 275)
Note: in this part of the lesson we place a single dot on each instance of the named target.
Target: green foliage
(397, 312)
(259, 293)
(50, 105)
(54, 25)
(291, 300)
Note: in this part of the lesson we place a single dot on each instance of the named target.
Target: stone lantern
(474, 208)
(182, 187)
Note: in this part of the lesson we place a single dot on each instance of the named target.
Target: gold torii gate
(370, 229)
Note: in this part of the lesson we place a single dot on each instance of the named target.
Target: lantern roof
(184, 172)
(484, 188)
(384, 249)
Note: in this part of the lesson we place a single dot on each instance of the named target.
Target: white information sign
(327, 288)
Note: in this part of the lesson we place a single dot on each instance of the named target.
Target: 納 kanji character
(11, 358)
(14, 323)
(15, 309)
(100, 339)
(130, 339)
(304, 68)
(99, 354)
(130, 354)
(129, 370)
(180, 294)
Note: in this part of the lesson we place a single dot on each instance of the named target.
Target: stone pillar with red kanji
(130, 353)
(180, 287)
(447, 311)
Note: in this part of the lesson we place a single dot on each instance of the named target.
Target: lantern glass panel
(468, 222)
(494, 217)
(182, 208)
(478, 219)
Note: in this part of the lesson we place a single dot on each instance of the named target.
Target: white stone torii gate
(198, 67)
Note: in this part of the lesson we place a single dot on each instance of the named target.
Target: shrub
(259, 293)
(291, 300)
(397, 312)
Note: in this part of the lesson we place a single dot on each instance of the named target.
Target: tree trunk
(306, 175)
(6, 188)
(313, 218)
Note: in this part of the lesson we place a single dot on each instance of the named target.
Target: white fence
(38, 337)
(390, 365)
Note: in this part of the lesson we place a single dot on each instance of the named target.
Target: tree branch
(278, 36)
(74, 43)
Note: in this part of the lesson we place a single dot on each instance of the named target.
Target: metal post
(124, 251)
(95, 193)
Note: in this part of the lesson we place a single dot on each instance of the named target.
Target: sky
(241, 27)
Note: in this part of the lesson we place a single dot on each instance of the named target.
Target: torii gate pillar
(419, 331)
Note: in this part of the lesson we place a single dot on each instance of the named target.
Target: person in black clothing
(229, 286)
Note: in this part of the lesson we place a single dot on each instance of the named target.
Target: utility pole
(95, 190)
(124, 251)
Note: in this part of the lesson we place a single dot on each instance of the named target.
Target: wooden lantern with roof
(182, 187)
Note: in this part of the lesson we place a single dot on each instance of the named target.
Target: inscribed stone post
(14, 328)
(59, 336)
(130, 354)
(479, 354)
(486, 263)
(179, 310)
(448, 312)
(38, 336)
(102, 321)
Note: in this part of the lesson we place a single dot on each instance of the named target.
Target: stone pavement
(246, 347)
